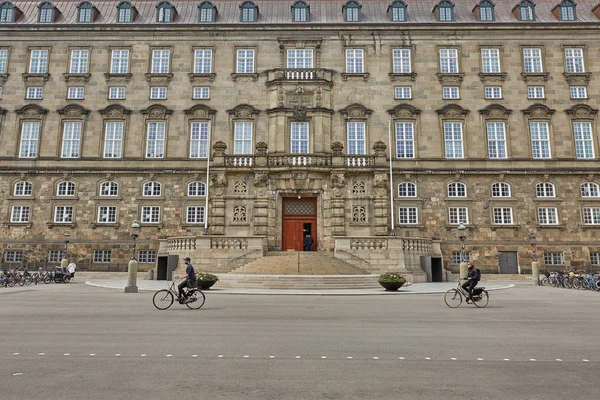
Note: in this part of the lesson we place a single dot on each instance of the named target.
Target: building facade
(272, 119)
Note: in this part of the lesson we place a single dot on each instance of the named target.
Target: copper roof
(321, 12)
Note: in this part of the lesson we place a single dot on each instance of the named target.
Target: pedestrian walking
(71, 268)
(308, 242)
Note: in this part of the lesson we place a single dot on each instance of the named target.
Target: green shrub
(391, 277)
(203, 276)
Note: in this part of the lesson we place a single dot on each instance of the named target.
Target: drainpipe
(393, 231)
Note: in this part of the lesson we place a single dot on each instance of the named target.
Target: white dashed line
(375, 358)
(17, 373)
(169, 355)
(67, 354)
(298, 357)
(400, 358)
(323, 356)
(349, 358)
(428, 358)
(271, 356)
(92, 355)
(15, 354)
(117, 355)
(143, 355)
(246, 356)
(532, 359)
(453, 358)
(194, 355)
(480, 359)
(558, 359)
(220, 356)
(41, 354)
(585, 360)
(507, 359)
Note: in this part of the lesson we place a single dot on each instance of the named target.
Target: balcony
(296, 160)
(299, 74)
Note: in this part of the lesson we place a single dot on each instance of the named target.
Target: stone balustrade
(289, 160)
(360, 161)
(417, 244)
(239, 161)
(299, 74)
(373, 244)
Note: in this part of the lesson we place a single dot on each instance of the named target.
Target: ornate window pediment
(495, 111)
(157, 111)
(245, 111)
(31, 111)
(453, 111)
(404, 111)
(73, 111)
(538, 111)
(355, 111)
(582, 111)
(115, 111)
(200, 111)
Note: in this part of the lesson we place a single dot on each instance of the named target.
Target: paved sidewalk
(417, 288)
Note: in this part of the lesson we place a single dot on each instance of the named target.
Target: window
(299, 138)
(196, 189)
(63, 214)
(206, 12)
(584, 144)
(502, 215)
(7, 13)
(407, 189)
(160, 61)
(354, 61)
(109, 189)
(13, 256)
(456, 257)
(445, 11)
(526, 12)
(457, 215)
(486, 11)
(124, 12)
(38, 63)
(199, 139)
(245, 61)
(574, 60)
(591, 216)
(398, 11)
(35, 93)
(547, 216)
(155, 140)
(23, 188)
(500, 189)
(54, 256)
(46, 13)
(496, 135)
(116, 93)
(351, 11)
(249, 12)
(493, 92)
(119, 61)
(202, 61)
(356, 138)
(554, 258)
(75, 93)
(19, 214)
(545, 189)
(403, 92)
(152, 188)
(448, 61)
(101, 256)
(578, 92)
(164, 12)
(300, 12)
(587, 190)
(540, 139)
(195, 215)
(3, 61)
(150, 214)
(450, 92)
(490, 61)
(146, 256)
(242, 141)
(65, 189)
(107, 215)
(457, 189)
(79, 61)
(595, 258)
(299, 58)
(71, 140)
(408, 216)
(113, 140)
(532, 60)
(535, 92)
(201, 93)
(405, 140)
(567, 11)
(84, 12)
(29, 140)
(401, 61)
(453, 139)
(158, 93)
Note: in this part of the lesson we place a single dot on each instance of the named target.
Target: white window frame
(30, 135)
(532, 60)
(502, 215)
(116, 93)
(13, 256)
(493, 92)
(244, 61)
(536, 92)
(71, 139)
(407, 189)
(591, 215)
(160, 61)
(196, 189)
(540, 140)
(38, 61)
(355, 61)
(20, 213)
(449, 61)
(595, 258)
(35, 93)
(146, 256)
(203, 61)
(547, 215)
(109, 189)
(496, 138)
(119, 61)
(155, 139)
(574, 60)
(405, 139)
(457, 189)
(101, 256)
(554, 258)
(242, 137)
(501, 190)
(113, 139)
(150, 214)
(3, 61)
(152, 189)
(458, 215)
(55, 256)
(408, 216)
(450, 92)
(490, 61)
(401, 61)
(63, 214)
(356, 137)
(453, 140)
(195, 214)
(299, 58)
(201, 93)
(589, 189)
(75, 93)
(584, 140)
(107, 214)
(65, 189)
(578, 92)
(79, 61)
(23, 188)
(545, 190)
(403, 92)
(299, 137)
(158, 93)
(199, 133)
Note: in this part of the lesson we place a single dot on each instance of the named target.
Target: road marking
(15, 354)
(67, 354)
(532, 359)
(453, 358)
(585, 360)
(246, 356)
(194, 355)
(298, 357)
(323, 356)
(41, 354)
(271, 356)
(558, 359)
(169, 355)
(427, 358)
(220, 356)
(143, 355)
(507, 359)
(400, 358)
(375, 358)
(117, 355)
(480, 359)
(17, 373)
(92, 355)
(349, 358)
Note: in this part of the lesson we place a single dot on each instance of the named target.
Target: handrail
(362, 260)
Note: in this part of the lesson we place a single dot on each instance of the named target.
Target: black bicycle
(163, 299)
(454, 297)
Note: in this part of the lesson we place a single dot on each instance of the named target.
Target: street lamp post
(535, 268)
(463, 262)
(132, 266)
(65, 261)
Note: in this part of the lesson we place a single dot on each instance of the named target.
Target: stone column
(132, 277)
(381, 205)
(338, 204)
(462, 269)
(535, 273)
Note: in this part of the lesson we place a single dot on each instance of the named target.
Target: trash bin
(150, 274)
(448, 276)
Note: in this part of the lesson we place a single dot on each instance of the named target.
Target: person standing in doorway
(308, 242)
(71, 268)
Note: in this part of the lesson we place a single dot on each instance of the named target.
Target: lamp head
(461, 227)
(135, 229)
(67, 236)
(532, 238)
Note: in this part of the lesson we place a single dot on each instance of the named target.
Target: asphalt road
(78, 342)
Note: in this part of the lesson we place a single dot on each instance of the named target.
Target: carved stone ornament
(261, 148)
(73, 111)
(260, 182)
(582, 111)
(219, 183)
(452, 111)
(404, 111)
(380, 184)
(299, 113)
(31, 111)
(299, 100)
(157, 111)
(538, 111)
(337, 148)
(356, 111)
(115, 111)
(245, 111)
(280, 96)
(219, 147)
(495, 111)
(300, 179)
(379, 148)
(338, 182)
(200, 111)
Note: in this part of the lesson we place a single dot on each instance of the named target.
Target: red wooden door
(299, 220)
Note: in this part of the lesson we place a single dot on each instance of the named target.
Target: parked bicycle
(454, 297)
(164, 298)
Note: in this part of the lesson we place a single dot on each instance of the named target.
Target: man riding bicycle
(190, 280)
(473, 278)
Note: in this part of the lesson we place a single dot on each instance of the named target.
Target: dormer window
(485, 10)
(249, 12)
(124, 12)
(85, 12)
(351, 11)
(7, 12)
(207, 12)
(526, 10)
(300, 11)
(46, 13)
(164, 12)
(445, 10)
(397, 11)
(567, 11)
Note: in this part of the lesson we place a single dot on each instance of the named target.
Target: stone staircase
(298, 282)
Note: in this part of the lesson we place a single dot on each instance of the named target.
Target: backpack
(477, 274)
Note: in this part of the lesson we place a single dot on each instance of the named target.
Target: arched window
(7, 12)
(590, 189)
(109, 188)
(486, 10)
(567, 10)
(152, 188)
(500, 189)
(206, 12)
(23, 188)
(445, 10)
(124, 12)
(407, 189)
(351, 11)
(164, 12)
(46, 13)
(84, 12)
(545, 189)
(248, 12)
(196, 189)
(65, 188)
(397, 11)
(526, 10)
(457, 189)
(300, 12)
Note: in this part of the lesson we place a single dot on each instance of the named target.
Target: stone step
(308, 263)
(298, 281)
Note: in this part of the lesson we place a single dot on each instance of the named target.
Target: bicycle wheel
(453, 298)
(20, 281)
(162, 299)
(47, 279)
(483, 301)
(545, 281)
(11, 281)
(576, 283)
(197, 299)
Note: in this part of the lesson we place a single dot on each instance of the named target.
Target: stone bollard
(132, 277)
(64, 263)
(463, 270)
(535, 273)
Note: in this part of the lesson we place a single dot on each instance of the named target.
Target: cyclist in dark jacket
(190, 280)
(473, 277)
